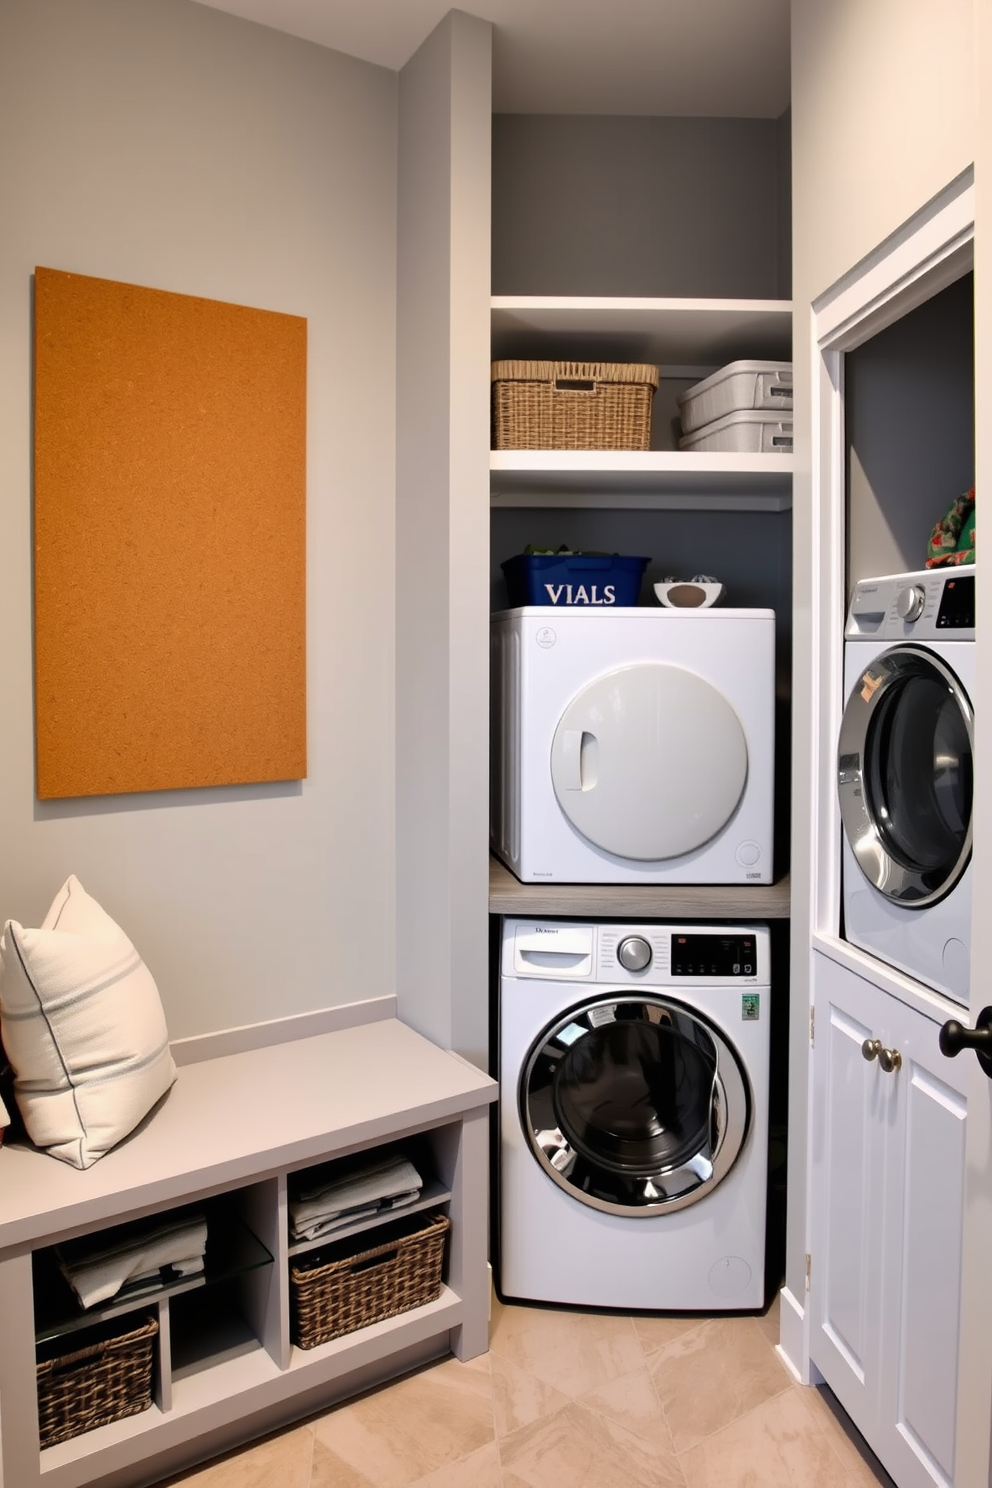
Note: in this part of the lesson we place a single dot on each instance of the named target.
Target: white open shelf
(684, 338)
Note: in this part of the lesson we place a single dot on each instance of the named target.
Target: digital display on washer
(957, 604)
(714, 955)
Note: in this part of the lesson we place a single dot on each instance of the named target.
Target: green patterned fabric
(953, 537)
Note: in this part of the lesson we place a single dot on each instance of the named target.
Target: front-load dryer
(633, 1148)
(904, 765)
(633, 745)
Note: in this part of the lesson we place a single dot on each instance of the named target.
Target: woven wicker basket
(572, 405)
(92, 1386)
(402, 1270)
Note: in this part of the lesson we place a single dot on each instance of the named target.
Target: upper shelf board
(656, 331)
(611, 477)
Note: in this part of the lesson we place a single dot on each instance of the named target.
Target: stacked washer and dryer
(905, 774)
(633, 746)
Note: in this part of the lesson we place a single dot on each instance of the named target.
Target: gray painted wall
(598, 205)
(170, 145)
(442, 537)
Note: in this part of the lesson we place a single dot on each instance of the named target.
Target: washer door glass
(905, 776)
(649, 762)
(635, 1105)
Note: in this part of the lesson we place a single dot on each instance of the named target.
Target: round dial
(634, 953)
(909, 602)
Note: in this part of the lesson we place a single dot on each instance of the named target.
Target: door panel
(846, 1168)
(922, 1240)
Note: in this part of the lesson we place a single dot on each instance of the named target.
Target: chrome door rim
(901, 882)
(731, 1101)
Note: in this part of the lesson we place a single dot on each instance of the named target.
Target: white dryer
(633, 745)
(633, 1150)
(905, 763)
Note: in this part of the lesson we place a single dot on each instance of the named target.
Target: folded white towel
(368, 1186)
(97, 1275)
(320, 1227)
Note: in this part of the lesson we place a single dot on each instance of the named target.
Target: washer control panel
(928, 604)
(724, 956)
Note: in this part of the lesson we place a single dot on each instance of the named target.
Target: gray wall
(598, 205)
(169, 145)
(442, 537)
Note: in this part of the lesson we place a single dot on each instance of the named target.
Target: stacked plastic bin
(744, 408)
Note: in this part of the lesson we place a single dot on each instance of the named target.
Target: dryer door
(905, 775)
(649, 762)
(635, 1104)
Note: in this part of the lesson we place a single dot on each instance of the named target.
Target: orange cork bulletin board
(169, 532)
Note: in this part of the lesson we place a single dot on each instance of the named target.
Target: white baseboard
(793, 1344)
(281, 1030)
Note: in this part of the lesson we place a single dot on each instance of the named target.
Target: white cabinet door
(888, 1185)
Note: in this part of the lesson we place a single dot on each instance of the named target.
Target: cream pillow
(83, 1027)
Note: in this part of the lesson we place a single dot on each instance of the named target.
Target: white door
(975, 1368)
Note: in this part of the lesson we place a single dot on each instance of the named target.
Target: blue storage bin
(571, 579)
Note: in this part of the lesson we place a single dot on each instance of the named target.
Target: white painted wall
(170, 145)
(882, 120)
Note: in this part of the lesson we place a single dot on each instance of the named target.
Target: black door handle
(954, 1037)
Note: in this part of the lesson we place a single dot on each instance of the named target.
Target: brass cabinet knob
(890, 1060)
(871, 1048)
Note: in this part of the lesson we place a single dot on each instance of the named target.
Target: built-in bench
(230, 1132)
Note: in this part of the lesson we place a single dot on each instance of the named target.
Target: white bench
(237, 1125)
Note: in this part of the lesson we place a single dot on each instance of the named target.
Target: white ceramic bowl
(688, 594)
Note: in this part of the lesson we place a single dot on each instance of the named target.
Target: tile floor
(566, 1399)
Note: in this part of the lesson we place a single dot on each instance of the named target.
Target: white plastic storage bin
(749, 432)
(737, 386)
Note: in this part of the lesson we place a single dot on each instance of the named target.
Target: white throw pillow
(83, 1027)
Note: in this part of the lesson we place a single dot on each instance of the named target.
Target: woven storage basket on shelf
(401, 1270)
(572, 405)
(94, 1385)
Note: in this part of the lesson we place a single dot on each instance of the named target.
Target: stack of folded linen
(339, 1195)
(146, 1253)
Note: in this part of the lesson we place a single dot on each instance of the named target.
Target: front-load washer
(905, 774)
(633, 745)
(633, 1146)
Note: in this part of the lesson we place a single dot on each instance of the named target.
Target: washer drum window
(635, 1105)
(905, 776)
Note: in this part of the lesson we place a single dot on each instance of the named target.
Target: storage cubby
(909, 414)
(224, 1366)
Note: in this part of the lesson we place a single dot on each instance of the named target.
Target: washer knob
(634, 953)
(910, 601)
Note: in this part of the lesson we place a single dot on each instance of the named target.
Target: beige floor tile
(331, 1471)
(519, 1397)
(580, 1448)
(572, 1351)
(708, 1378)
(633, 1403)
(655, 1332)
(479, 1470)
(281, 1461)
(770, 1322)
(428, 1420)
(777, 1445)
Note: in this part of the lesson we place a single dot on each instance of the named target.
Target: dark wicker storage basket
(572, 405)
(94, 1385)
(401, 1270)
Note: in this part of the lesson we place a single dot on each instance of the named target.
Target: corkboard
(169, 527)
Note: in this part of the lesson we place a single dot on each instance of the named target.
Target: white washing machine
(905, 774)
(633, 745)
(633, 1152)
